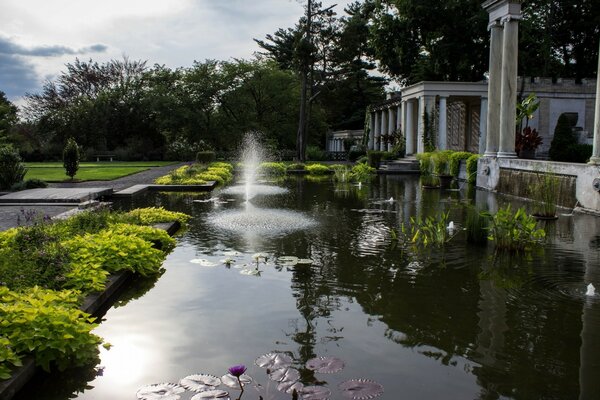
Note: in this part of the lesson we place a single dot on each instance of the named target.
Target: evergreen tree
(71, 157)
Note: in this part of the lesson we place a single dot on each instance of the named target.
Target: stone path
(9, 215)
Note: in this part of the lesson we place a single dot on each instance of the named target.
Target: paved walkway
(11, 216)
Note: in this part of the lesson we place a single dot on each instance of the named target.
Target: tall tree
(8, 117)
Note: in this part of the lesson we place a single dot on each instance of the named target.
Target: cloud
(17, 76)
(11, 48)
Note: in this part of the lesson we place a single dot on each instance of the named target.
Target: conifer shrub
(71, 158)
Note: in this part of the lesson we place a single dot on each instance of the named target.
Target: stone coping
(139, 189)
(92, 304)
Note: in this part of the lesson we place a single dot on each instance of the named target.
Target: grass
(89, 171)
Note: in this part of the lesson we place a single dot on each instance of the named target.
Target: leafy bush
(361, 173)
(49, 325)
(441, 160)
(71, 157)
(154, 215)
(425, 162)
(455, 158)
(12, 169)
(356, 152)
(472, 168)
(375, 158)
(198, 174)
(115, 252)
(272, 169)
(564, 146)
(314, 153)
(318, 169)
(8, 358)
(205, 157)
(295, 167)
(159, 238)
(514, 231)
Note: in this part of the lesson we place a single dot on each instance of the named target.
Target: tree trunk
(301, 136)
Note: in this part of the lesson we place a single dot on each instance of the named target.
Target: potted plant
(527, 141)
(441, 160)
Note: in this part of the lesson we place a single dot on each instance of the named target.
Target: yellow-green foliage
(8, 358)
(318, 169)
(48, 324)
(272, 168)
(361, 173)
(155, 215)
(159, 238)
(86, 277)
(198, 174)
(455, 158)
(115, 252)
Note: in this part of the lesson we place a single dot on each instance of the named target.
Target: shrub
(205, 157)
(8, 358)
(514, 231)
(441, 160)
(154, 215)
(361, 173)
(49, 325)
(455, 158)
(564, 146)
(314, 153)
(472, 168)
(198, 174)
(12, 169)
(425, 163)
(159, 238)
(318, 169)
(356, 152)
(272, 168)
(71, 157)
(295, 167)
(374, 158)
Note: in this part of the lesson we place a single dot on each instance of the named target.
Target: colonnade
(385, 122)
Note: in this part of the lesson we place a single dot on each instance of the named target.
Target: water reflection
(454, 324)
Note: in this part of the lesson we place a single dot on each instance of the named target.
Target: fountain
(252, 219)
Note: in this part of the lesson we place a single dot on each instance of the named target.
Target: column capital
(495, 24)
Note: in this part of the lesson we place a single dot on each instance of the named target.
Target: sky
(38, 37)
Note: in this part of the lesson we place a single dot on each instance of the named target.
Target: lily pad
(273, 361)
(232, 382)
(325, 365)
(292, 260)
(315, 393)
(360, 389)
(304, 261)
(231, 253)
(287, 374)
(160, 391)
(203, 262)
(247, 271)
(289, 387)
(200, 382)
(212, 395)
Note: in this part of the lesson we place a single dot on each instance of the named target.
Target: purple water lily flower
(237, 370)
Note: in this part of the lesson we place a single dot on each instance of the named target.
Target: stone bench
(108, 157)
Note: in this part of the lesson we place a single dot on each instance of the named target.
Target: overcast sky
(37, 37)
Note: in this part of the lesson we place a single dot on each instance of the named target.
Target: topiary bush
(205, 157)
(564, 146)
(455, 158)
(12, 169)
(375, 158)
(318, 169)
(71, 158)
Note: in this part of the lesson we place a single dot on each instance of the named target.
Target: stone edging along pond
(91, 304)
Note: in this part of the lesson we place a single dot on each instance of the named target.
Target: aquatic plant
(476, 226)
(433, 230)
(440, 162)
(430, 181)
(272, 169)
(341, 173)
(544, 193)
(318, 169)
(237, 371)
(361, 173)
(514, 231)
(425, 163)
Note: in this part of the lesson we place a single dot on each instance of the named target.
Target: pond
(453, 324)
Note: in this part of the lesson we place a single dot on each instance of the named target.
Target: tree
(8, 117)
(417, 40)
(71, 157)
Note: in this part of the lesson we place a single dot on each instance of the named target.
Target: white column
(443, 125)
(483, 124)
(420, 125)
(372, 131)
(377, 115)
(508, 92)
(494, 87)
(391, 127)
(384, 129)
(399, 116)
(595, 159)
(410, 128)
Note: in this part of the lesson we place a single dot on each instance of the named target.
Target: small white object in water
(451, 227)
(391, 200)
(591, 290)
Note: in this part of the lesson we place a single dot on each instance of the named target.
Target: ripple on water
(262, 221)
(254, 190)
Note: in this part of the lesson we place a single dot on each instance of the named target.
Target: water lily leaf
(360, 389)
(200, 382)
(273, 361)
(260, 256)
(203, 262)
(287, 374)
(232, 382)
(289, 387)
(212, 395)
(315, 393)
(231, 253)
(325, 365)
(304, 261)
(291, 260)
(227, 261)
(160, 391)
(247, 271)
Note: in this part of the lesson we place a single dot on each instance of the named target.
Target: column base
(490, 154)
(594, 161)
(507, 154)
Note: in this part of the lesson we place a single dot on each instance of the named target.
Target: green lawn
(94, 171)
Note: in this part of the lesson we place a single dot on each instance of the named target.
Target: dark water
(457, 324)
